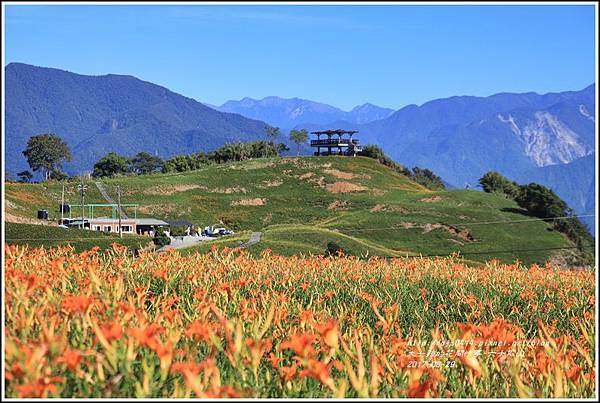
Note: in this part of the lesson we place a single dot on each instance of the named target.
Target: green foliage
(494, 182)
(110, 165)
(25, 176)
(160, 238)
(46, 152)
(539, 201)
(299, 137)
(58, 175)
(373, 151)
(144, 163)
(178, 230)
(273, 133)
(427, 178)
(184, 163)
(243, 151)
(281, 148)
(177, 163)
(334, 249)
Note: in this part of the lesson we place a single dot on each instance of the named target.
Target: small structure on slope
(335, 143)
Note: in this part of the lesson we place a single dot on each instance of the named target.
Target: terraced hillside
(300, 204)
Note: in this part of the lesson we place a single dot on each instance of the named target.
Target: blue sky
(390, 55)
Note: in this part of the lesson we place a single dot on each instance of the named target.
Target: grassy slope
(296, 218)
(37, 235)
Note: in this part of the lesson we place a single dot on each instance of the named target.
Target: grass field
(226, 324)
(302, 203)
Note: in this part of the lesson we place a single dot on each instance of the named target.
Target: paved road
(109, 199)
(184, 242)
(187, 241)
(254, 238)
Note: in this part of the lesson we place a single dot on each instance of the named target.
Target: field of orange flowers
(223, 324)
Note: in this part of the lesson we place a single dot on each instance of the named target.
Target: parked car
(216, 232)
(223, 231)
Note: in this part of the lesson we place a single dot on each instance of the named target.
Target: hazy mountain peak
(290, 112)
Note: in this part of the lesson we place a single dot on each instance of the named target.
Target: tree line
(144, 163)
(541, 202)
(45, 153)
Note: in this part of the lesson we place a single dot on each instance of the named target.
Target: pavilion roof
(337, 131)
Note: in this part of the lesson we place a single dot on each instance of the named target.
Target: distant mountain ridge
(287, 113)
(99, 114)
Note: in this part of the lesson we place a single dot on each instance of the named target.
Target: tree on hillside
(25, 176)
(144, 163)
(177, 163)
(281, 148)
(427, 178)
(494, 182)
(109, 165)
(373, 151)
(58, 175)
(46, 152)
(230, 152)
(299, 137)
(273, 133)
(541, 201)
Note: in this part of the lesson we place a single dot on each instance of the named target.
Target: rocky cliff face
(547, 140)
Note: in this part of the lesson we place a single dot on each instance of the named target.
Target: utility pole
(62, 206)
(119, 207)
(81, 187)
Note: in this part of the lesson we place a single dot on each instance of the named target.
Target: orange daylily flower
(329, 332)
(76, 304)
(288, 373)
(112, 331)
(301, 344)
(71, 358)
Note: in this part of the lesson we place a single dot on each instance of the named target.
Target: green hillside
(300, 204)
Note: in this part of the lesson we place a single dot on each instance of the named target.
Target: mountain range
(99, 114)
(528, 137)
(547, 138)
(288, 113)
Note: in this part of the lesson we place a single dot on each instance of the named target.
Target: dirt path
(107, 197)
(254, 238)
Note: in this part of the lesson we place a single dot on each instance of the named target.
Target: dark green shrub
(334, 249)
(160, 238)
